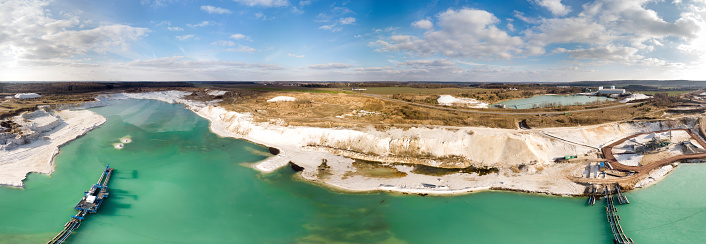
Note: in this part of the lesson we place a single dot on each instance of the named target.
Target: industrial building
(610, 91)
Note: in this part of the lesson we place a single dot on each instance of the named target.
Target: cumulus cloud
(202, 24)
(264, 3)
(608, 24)
(332, 28)
(462, 33)
(329, 66)
(604, 53)
(521, 16)
(262, 16)
(175, 28)
(617, 31)
(554, 6)
(423, 24)
(29, 32)
(631, 18)
(296, 10)
(215, 10)
(346, 20)
(565, 30)
(239, 36)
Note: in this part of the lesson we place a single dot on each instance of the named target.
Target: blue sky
(264, 40)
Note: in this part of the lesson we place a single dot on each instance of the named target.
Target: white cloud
(202, 24)
(224, 43)
(615, 23)
(156, 3)
(463, 33)
(372, 69)
(331, 27)
(242, 49)
(304, 2)
(521, 16)
(427, 63)
(175, 28)
(329, 66)
(237, 47)
(341, 10)
(423, 24)
(566, 30)
(262, 16)
(554, 6)
(630, 18)
(180, 63)
(336, 19)
(605, 31)
(322, 17)
(346, 20)
(264, 3)
(295, 56)
(215, 10)
(239, 37)
(29, 32)
(184, 37)
(605, 53)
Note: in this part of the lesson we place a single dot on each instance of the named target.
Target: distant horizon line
(371, 81)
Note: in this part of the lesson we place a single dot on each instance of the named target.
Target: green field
(312, 90)
(425, 91)
(274, 88)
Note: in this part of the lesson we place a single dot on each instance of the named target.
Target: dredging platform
(91, 201)
(613, 218)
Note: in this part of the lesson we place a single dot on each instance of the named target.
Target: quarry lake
(548, 100)
(177, 182)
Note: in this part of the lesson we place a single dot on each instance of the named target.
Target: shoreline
(233, 124)
(37, 156)
(522, 147)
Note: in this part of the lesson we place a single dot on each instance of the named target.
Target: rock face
(454, 147)
(30, 127)
(296, 167)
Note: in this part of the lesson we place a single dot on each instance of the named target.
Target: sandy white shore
(37, 156)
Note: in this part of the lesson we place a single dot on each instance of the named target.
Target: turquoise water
(179, 183)
(547, 100)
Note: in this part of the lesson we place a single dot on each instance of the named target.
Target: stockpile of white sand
(448, 100)
(281, 99)
(635, 96)
(216, 92)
